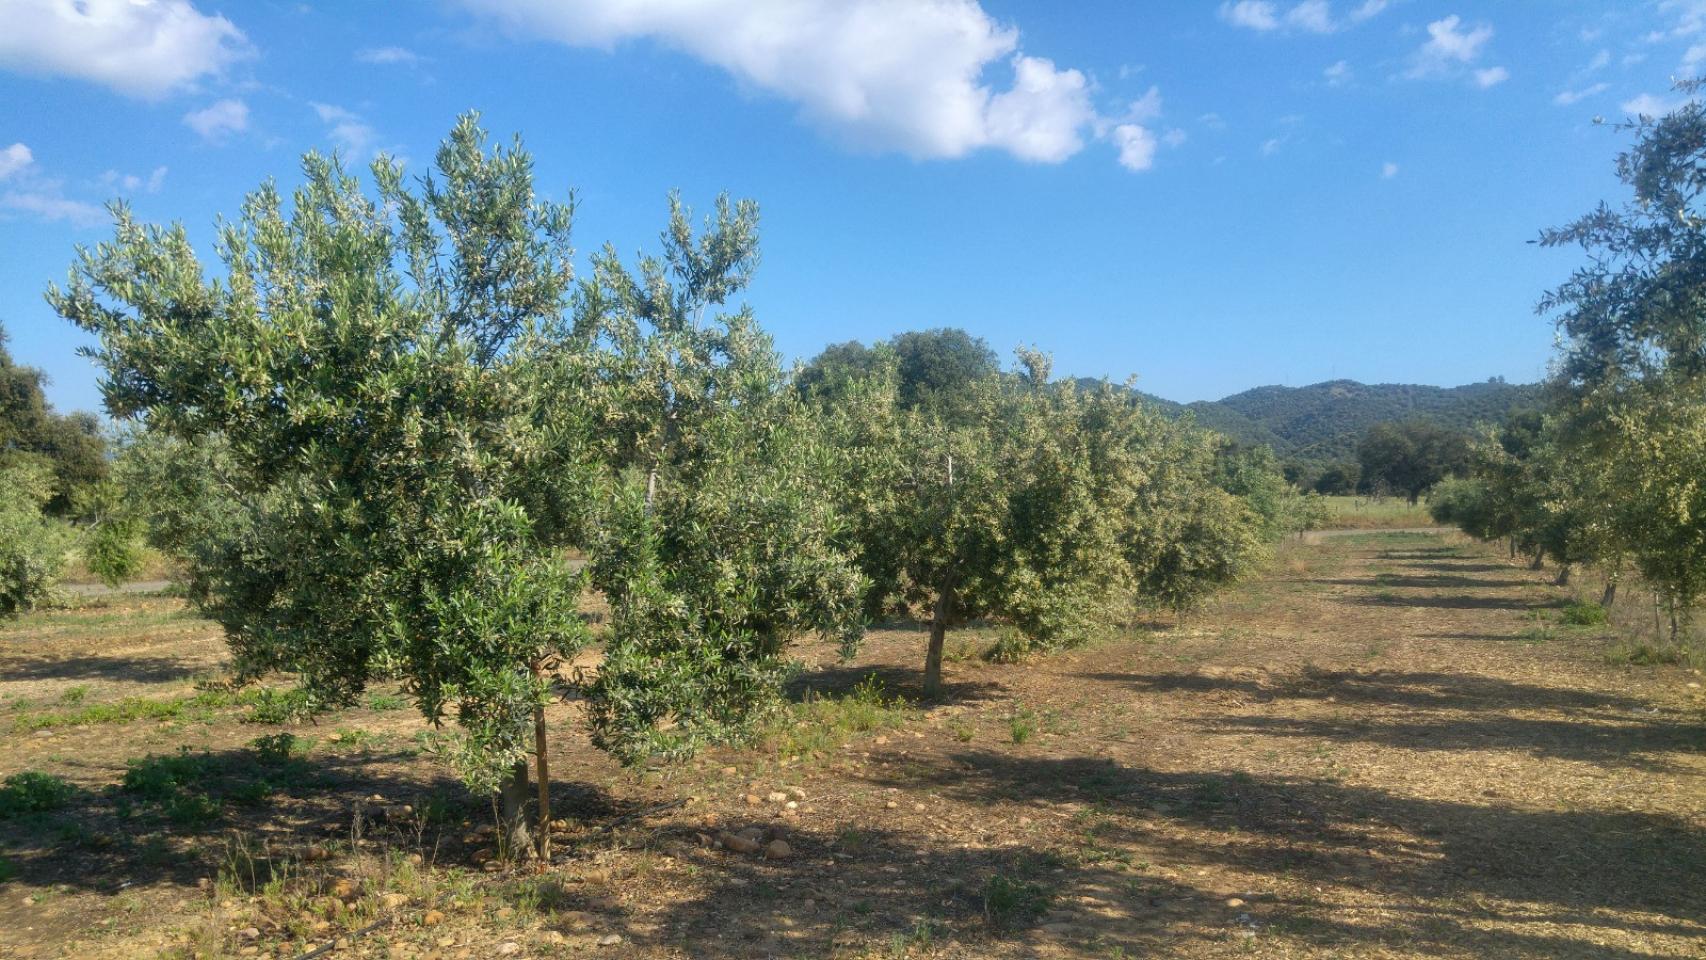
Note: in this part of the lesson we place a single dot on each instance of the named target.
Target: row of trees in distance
(1610, 471)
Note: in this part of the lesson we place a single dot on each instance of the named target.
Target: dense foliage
(69, 446)
(1408, 458)
(32, 544)
(1610, 472)
(1054, 507)
(1316, 429)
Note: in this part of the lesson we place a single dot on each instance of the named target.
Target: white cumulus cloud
(1137, 146)
(140, 48)
(14, 160)
(219, 120)
(929, 78)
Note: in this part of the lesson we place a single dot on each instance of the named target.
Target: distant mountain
(1323, 422)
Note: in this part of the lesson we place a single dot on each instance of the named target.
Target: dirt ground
(1389, 746)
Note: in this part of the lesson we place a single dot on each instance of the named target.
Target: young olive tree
(715, 539)
(363, 374)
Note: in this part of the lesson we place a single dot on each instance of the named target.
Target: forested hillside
(1323, 422)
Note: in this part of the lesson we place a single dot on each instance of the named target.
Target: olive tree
(1631, 381)
(32, 544)
(1046, 505)
(714, 540)
(364, 364)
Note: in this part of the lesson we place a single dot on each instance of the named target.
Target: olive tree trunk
(1609, 597)
(512, 795)
(1563, 577)
(1538, 562)
(938, 638)
(542, 828)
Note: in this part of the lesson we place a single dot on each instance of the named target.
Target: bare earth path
(1387, 747)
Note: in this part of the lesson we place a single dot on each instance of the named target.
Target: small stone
(432, 918)
(249, 933)
(504, 913)
(792, 805)
(344, 888)
(578, 920)
(508, 948)
(778, 850)
(752, 800)
(610, 940)
(777, 796)
(891, 805)
(730, 771)
(739, 843)
(446, 941)
(919, 807)
(392, 901)
(334, 737)
(1234, 902)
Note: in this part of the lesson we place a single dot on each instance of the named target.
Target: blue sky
(1209, 195)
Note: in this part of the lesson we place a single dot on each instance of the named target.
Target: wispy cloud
(388, 56)
(219, 120)
(1304, 16)
(1388, 170)
(348, 131)
(1568, 98)
(27, 191)
(1338, 74)
(1491, 77)
(1451, 50)
(131, 183)
(1651, 105)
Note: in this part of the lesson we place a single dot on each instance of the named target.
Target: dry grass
(1393, 746)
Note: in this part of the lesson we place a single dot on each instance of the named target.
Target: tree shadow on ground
(1623, 742)
(1434, 582)
(132, 669)
(1421, 553)
(907, 683)
(1383, 688)
(1460, 567)
(1551, 867)
(167, 822)
(1451, 602)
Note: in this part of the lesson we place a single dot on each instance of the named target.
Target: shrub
(1584, 613)
(32, 792)
(1009, 903)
